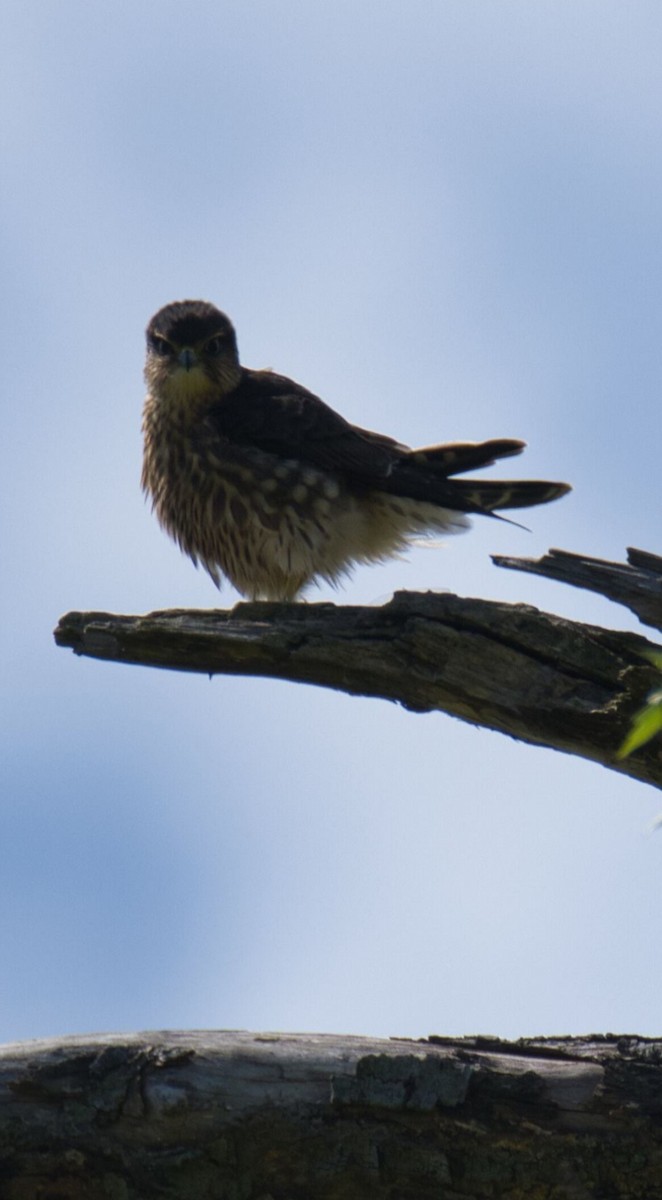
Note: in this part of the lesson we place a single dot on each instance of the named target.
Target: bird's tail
(453, 458)
(481, 495)
(427, 474)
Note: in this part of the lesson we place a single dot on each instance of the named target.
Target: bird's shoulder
(278, 415)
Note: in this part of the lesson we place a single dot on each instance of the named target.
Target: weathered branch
(636, 584)
(226, 1115)
(537, 677)
(325, 1118)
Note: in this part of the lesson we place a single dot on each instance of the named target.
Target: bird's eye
(160, 346)
(215, 345)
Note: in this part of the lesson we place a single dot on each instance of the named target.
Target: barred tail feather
(478, 495)
(453, 458)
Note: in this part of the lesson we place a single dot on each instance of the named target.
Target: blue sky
(443, 217)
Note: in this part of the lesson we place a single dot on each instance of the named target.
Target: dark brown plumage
(260, 481)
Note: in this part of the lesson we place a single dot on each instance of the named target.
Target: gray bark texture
(238, 1116)
(538, 677)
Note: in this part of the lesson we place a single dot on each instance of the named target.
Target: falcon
(260, 481)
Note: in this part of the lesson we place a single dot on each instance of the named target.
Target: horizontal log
(231, 1114)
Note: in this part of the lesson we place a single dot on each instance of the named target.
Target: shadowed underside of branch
(319, 1117)
(511, 668)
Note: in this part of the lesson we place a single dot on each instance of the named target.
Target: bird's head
(191, 353)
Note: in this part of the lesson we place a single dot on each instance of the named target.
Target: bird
(261, 482)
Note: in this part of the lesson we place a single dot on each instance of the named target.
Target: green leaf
(648, 721)
(645, 724)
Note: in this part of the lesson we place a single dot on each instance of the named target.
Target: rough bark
(512, 668)
(637, 584)
(237, 1116)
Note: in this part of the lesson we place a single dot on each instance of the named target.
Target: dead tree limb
(511, 668)
(228, 1115)
(636, 584)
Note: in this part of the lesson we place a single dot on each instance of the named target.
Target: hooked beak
(187, 358)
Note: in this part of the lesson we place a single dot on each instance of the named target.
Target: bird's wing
(273, 414)
(277, 415)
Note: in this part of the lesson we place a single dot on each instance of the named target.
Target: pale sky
(443, 217)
